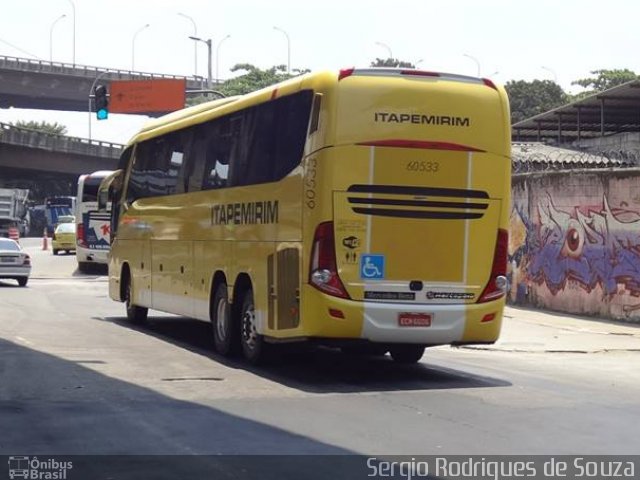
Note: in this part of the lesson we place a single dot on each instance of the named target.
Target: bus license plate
(408, 319)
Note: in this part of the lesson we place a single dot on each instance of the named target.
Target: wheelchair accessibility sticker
(372, 267)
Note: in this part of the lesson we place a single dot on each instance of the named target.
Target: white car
(14, 262)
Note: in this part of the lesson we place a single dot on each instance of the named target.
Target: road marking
(25, 341)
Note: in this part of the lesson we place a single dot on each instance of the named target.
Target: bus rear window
(90, 191)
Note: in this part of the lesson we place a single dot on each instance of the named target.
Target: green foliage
(254, 79)
(604, 80)
(528, 99)
(391, 62)
(54, 128)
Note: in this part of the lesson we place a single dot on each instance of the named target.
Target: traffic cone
(14, 234)
(45, 240)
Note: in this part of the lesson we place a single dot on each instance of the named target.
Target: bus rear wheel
(254, 347)
(225, 331)
(135, 314)
(407, 353)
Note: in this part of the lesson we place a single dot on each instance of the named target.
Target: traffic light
(102, 102)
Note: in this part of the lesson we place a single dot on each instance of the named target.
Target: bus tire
(22, 281)
(83, 267)
(225, 331)
(254, 348)
(55, 252)
(135, 314)
(407, 353)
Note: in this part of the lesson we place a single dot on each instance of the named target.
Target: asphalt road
(77, 378)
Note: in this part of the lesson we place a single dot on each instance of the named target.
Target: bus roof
(209, 110)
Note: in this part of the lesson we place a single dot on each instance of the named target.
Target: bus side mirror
(114, 179)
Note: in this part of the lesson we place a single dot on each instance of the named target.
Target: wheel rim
(249, 332)
(222, 320)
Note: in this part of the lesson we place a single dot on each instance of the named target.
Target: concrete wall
(622, 141)
(575, 242)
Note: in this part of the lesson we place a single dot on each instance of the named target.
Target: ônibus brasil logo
(34, 469)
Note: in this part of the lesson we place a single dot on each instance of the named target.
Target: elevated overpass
(50, 164)
(27, 149)
(38, 84)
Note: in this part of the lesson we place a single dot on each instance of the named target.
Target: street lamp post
(474, 59)
(387, 47)
(195, 45)
(133, 47)
(555, 77)
(288, 48)
(218, 58)
(73, 9)
(51, 36)
(207, 42)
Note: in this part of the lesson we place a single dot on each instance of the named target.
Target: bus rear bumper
(447, 324)
(432, 324)
(382, 323)
(390, 322)
(85, 255)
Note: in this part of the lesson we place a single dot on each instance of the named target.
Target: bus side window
(116, 194)
(190, 156)
(271, 140)
(290, 132)
(217, 153)
(157, 165)
(136, 186)
(197, 161)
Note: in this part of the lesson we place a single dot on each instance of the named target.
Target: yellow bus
(365, 209)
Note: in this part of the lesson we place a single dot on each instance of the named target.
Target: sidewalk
(526, 330)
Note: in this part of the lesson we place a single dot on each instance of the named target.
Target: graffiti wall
(575, 242)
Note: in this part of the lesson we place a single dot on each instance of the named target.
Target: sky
(504, 39)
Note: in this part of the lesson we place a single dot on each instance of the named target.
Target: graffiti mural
(580, 259)
(594, 249)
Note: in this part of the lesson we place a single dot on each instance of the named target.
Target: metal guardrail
(26, 137)
(43, 66)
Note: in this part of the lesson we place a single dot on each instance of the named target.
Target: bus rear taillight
(497, 285)
(323, 272)
(80, 235)
(345, 72)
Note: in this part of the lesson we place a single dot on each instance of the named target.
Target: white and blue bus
(93, 228)
(56, 207)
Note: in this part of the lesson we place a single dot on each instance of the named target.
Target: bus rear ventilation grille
(426, 202)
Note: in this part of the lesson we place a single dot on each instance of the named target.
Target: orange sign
(145, 96)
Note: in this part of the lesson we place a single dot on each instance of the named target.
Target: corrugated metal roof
(605, 113)
(530, 157)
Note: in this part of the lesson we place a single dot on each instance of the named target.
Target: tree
(391, 62)
(254, 79)
(604, 80)
(54, 128)
(531, 98)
